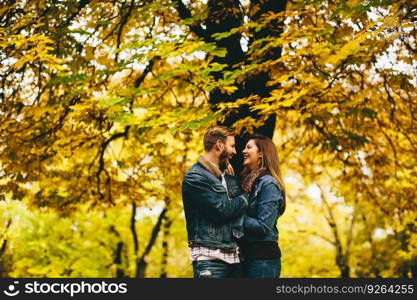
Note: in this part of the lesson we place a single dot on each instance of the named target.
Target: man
(213, 205)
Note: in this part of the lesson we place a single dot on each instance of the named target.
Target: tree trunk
(118, 253)
(118, 260)
(224, 15)
(374, 264)
(3, 248)
(142, 263)
(342, 257)
(133, 228)
(165, 250)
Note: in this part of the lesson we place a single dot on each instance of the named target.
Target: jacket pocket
(211, 230)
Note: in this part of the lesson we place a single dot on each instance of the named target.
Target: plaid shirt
(207, 253)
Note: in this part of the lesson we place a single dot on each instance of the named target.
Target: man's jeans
(216, 269)
(262, 268)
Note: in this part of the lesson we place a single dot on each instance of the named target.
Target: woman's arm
(269, 201)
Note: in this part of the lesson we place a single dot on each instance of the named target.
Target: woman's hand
(229, 170)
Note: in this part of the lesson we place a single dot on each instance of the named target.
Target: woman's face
(251, 155)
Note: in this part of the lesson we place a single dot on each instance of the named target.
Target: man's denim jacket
(260, 221)
(212, 219)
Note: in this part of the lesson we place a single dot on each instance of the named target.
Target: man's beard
(224, 160)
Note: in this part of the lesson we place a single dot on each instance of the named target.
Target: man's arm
(211, 200)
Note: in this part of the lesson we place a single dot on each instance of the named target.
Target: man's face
(227, 152)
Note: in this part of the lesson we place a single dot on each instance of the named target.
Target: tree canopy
(103, 105)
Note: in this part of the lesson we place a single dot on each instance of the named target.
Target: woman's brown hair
(269, 160)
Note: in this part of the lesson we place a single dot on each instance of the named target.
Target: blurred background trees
(104, 105)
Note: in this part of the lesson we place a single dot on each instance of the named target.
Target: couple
(232, 227)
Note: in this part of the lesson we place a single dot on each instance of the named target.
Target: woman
(261, 179)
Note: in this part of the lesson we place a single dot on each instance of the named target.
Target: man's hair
(215, 133)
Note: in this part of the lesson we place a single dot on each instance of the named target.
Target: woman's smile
(251, 155)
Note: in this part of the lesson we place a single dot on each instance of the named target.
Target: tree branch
(184, 14)
(103, 148)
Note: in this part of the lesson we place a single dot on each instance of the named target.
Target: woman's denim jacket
(260, 221)
(210, 216)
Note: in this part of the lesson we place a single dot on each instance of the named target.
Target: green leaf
(113, 101)
(369, 113)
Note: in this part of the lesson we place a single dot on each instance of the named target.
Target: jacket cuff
(245, 197)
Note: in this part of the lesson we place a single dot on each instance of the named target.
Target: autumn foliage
(103, 105)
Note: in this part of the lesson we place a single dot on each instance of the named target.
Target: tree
(100, 100)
